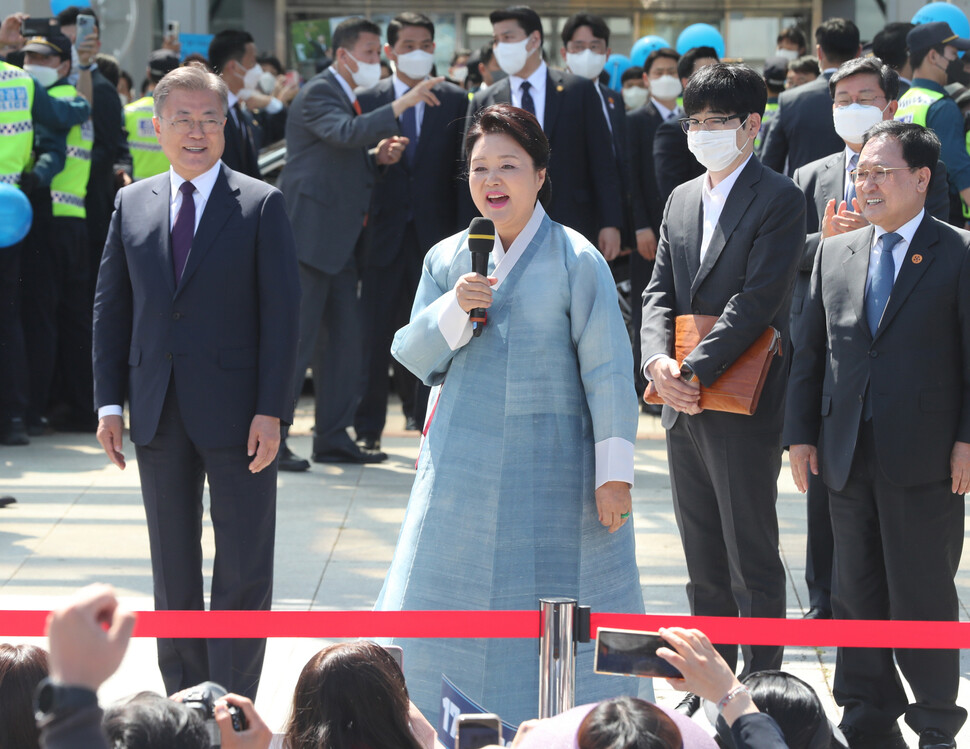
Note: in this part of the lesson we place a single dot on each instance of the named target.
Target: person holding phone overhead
(523, 481)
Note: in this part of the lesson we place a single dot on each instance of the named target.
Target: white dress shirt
(203, 189)
(401, 88)
(906, 231)
(713, 199)
(537, 88)
(665, 113)
(343, 84)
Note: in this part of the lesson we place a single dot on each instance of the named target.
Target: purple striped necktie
(183, 230)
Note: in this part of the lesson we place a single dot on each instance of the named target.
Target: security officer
(147, 158)
(776, 71)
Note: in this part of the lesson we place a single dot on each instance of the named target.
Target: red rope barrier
(512, 624)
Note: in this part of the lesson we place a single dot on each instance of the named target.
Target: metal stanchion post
(557, 651)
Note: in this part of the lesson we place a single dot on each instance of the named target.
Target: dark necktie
(183, 230)
(409, 129)
(850, 192)
(881, 285)
(527, 104)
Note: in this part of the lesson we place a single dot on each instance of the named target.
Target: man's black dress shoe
(291, 462)
(15, 434)
(411, 424)
(39, 427)
(4, 501)
(689, 705)
(889, 739)
(817, 612)
(348, 455)
(932, 738)
(369, 443)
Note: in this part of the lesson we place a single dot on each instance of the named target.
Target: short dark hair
(685, 66)
(108, 67)
(522, 127)
(634, 71)
(805, 64)
(229, 44)
(21, 669)
(627, 722)
(150, 721)
(125, 76)
(273, 61)
(916, 57)
(920, 145)
(839, 39)
(667, 52)
(527, 18)
(888, 78)
(458, 53)
(596, 24)
(732, 89)
(793, 705)
(794, 35)
(407, 19)
(889, 45)
(350, 29)
(486, 53)
(68, 16)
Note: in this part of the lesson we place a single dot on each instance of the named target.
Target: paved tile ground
(79, 520)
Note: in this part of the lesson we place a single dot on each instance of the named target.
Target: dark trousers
(819, 545)
(173, 471)
(14, 383)
(725, 489)
(56, 310)
(640, 272)
(897, 550)
(330, 343)
(98, 205)
(386, 296)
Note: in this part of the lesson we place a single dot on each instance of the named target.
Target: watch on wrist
(53, 700)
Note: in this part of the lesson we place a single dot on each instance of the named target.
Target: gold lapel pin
(917, 259)
(559, 87)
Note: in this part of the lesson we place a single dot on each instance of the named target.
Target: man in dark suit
(802, 130)
(587, 193)
(195, 321)
(729, 247)
(413, 206)
(877, 405)
(232, 55)
(832, 208)
(331, 168)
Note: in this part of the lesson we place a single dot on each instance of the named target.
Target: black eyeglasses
(716, 123)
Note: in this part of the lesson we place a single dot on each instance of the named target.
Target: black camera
(202, 698)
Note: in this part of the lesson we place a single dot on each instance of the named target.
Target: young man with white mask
(729, 248)
(863, 92)
(587, 196)
(413, 207)
(327, 182)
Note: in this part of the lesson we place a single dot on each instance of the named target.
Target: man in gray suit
(878, 405)
(729, 247)
(327, 182)
(801, 130)
(863, 92)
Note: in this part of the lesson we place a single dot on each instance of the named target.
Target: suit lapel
(502, 93)
(856, 269)
(218, 208)
(693, 207)
(737, 203)
(554, 89)
(832, 183)
(911, 271)
(161, 208)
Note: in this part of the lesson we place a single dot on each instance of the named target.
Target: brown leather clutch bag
(739, 388)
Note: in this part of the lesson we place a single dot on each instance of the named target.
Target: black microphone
(481, 239)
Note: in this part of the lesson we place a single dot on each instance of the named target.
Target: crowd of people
(823, 199)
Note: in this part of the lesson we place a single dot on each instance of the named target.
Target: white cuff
(650, 361)
(110, 411)
(454, 323)
(274, 106)
(614, 461)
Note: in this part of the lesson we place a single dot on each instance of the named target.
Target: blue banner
(454, 702)
(192, 43)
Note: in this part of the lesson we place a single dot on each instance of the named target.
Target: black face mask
(955, 72)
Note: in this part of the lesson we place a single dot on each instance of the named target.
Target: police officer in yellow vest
(775, 72)
(23, 105)
(147, 158)
(934, 54)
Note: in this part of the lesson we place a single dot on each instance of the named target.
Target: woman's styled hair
(628, 723)
(22, 667)
(522, 127)
(350, 695)
(795, 707)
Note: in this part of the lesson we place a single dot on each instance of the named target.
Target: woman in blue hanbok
(523, 481)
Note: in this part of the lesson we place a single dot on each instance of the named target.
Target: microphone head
(481, 235)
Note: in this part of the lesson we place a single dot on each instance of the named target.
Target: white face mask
(512, 56)
(44, 75)
(459, 74)
(715, 149)
(635, 96)
(851, 122)
(789, 54)
(267, 82)
(368, 73)
(586, 64)
(252, 76)
(416, 64)
(666, 87)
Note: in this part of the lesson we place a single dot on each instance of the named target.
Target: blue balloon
(15, 215)
(951, 14)
(58, 5)
(615, 66)
(643, 46)
(700, 35)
